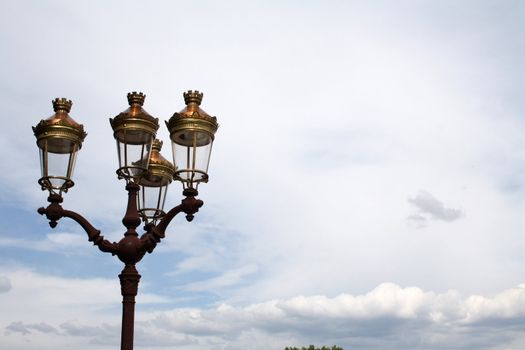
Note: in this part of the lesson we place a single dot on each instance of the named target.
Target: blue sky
(366, 183)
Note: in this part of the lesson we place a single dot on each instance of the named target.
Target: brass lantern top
(128, 125)
(63, 134)
(160, 170)
(193, 119)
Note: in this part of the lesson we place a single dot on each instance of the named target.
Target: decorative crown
(136, 98)
(62, 104)
(193, 96)
(157, 145)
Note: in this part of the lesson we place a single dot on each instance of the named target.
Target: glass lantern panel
(134, 136)
(57, 164)
(151, 202)
(192, 158)
(133, 152)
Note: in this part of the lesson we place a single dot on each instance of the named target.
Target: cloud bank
(387, 317)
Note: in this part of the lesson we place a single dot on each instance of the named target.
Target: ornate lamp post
(146, 172)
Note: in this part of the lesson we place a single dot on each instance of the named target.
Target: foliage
(311, 347)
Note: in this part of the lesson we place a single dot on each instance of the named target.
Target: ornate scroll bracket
(155, 233)
(55, 212)
(130, 249)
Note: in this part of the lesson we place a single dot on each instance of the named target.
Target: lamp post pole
(191, 131)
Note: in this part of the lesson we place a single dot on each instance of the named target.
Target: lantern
(59, 138)
(192, 132)
(134, 130)
(154, 185)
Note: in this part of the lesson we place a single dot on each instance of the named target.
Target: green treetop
(311, 347)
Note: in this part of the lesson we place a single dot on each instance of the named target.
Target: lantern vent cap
(136, 98)
(193, 97)
(62, 105)
(156, 145)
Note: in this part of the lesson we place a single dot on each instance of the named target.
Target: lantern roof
(192, 117)
(134, 118)
(58, 128)
(160, 170)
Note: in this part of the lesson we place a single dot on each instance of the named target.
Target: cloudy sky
(367, 184)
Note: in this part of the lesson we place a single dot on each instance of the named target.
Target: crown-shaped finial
(193, 96)
(136, 98)
(157, 145)
(62, 104)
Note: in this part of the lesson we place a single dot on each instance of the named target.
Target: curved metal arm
(189, 205)
(54, 212)
(154, 233)
(93, 234)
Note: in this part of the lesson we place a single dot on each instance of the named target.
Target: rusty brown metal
(129, 284)
(130, 249)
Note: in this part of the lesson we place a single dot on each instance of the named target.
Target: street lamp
(59, 138)
(146, 172)
(154, 185)
(134, 130)
(192, 131)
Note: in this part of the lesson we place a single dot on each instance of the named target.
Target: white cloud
(5, 284)
(226, 279)
(32, 295)
(389, 99)
(354, 321)
(20, 327)
(60, 242)
(426, 319)
(429, 205)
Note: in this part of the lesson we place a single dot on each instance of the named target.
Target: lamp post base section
(129, 283)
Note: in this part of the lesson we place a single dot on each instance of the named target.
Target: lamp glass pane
(192, 158)
(133, 152)
(56, 163)
(151, 201)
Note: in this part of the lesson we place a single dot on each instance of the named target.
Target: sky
(367, 181)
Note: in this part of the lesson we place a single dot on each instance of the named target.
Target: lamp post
(146, 172)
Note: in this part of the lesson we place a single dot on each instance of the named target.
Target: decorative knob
(62, 105)
(136, 98)
(157, 145)
(193, 97)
